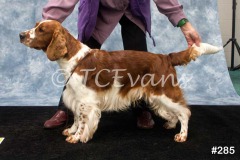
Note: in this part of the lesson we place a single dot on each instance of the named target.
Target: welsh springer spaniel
(111, 81)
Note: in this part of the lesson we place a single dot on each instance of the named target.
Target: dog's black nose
(22, 35)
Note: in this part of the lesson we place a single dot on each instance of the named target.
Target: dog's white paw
(72, 139)
(66, 132)
(181, 137)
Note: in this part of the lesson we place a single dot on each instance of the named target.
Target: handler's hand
(191, 34)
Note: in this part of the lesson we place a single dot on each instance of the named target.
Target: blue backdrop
(27, 77)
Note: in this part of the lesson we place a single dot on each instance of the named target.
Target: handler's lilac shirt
(110, 12)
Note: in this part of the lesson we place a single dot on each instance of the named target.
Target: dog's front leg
(88, 122)
(72, 130)
(73, 105)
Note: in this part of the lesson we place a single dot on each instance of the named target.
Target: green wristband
(182, 22)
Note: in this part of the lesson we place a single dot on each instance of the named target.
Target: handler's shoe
(59, 118)
(145, 121)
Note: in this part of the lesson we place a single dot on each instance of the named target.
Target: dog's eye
(41, 30)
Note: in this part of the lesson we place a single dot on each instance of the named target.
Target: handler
(98, 18)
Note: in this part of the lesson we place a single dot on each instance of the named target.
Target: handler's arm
(172, 9)
(58, 9)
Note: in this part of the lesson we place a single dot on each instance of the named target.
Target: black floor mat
(117, 137)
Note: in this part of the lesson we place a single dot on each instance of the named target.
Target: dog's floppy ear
(57, 47)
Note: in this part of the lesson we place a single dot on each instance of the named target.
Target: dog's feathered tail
(184, 57)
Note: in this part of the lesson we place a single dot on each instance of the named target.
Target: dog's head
(48, 36)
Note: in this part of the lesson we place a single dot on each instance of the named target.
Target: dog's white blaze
(32, 33)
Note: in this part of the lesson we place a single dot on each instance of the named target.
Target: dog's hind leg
(161, 111)
(182, 112)
(171, 118)
(178, 109)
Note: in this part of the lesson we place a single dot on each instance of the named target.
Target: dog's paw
(66, 132)
(180, 137)
(169, 125)
(72, 139)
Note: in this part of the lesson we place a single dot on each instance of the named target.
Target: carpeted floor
(117, 137)
(235, 77)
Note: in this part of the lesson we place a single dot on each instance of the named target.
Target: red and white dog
(112, 81)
